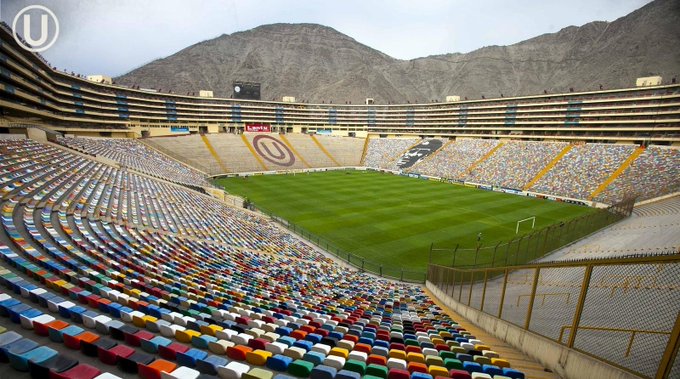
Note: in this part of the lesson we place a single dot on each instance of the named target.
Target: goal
(533, 223)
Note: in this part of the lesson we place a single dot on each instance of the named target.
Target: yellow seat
(399, 354)
(258, 357)
(436, 371)
(415, 357)
(186, 335)
(339, 352)
(500, 362)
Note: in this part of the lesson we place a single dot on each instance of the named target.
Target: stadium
(149, 234)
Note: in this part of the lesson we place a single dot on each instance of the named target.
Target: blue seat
(420, 375)
(151, 346)
(189, 357)
(209, 364)
(5, 304)
(9, 337)
(323, 372)
(307, 345)
(279, 362)
(315, 357)
(17, 347)
(346, 374)
(313, 338)
(58, 335)
(19, 361)
(492, 369)
(514, 374)
(472, 367)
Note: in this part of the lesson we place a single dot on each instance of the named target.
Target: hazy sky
(115, 36)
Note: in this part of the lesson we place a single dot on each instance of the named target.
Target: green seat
(355, 366)
(300, 368)
(453, 363)
(377, 370)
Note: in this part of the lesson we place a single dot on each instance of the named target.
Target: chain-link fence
(527, 247)
(625, 311)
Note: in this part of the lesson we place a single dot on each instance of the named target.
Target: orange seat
(416, 367)
(376, 359)
(154, 369)
(238, 352)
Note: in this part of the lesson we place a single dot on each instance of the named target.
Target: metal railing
(624, 311)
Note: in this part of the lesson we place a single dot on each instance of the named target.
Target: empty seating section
(384, 151)
(233, 152)
(345, 150)
(654, 173)
(156, 280)
(309, 151)
(583, 169)
(189, 149)
(515, 163)
(455, 159)
(136, 155)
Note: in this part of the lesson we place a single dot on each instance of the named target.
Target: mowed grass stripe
(392, 220)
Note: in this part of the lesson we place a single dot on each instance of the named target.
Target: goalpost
(533, 223)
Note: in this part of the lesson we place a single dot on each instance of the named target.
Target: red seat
(398, 374)
(170, 351)
(154, 369)
(110, 357)
(459, 374)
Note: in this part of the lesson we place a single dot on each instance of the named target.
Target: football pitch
(392, 220)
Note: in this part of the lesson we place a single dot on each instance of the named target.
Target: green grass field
(392, 220)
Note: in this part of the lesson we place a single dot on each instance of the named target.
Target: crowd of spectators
(135, 155)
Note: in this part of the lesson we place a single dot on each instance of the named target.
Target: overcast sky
(115, 36)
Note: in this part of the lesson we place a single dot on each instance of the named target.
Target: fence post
(532, 297)
(579, 305)
(545, 240)
(479, 245)
(460, 289)
(495, 249)
(362, 264)
(472, 281)
(402, 275)
(519, 244)
(486, 277)
(381, 271)
(454, 255)
(507, 251)
(429, 261)
(671, 352)
(505, 285)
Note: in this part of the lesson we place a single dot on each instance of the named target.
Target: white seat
(181, 372)
(233, 370)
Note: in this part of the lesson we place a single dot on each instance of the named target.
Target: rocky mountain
(316, 63)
